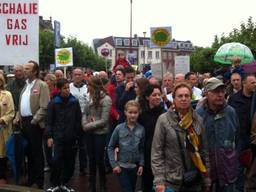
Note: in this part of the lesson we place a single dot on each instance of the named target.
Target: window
(142, 54)
(149, 54)
(157, 55)
(145, 42)
(134, 42)
(164, 55)
(126, 42)
(110, 52)
(119, 42)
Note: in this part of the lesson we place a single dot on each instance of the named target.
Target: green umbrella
(228, 51)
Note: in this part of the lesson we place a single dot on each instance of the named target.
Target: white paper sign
(19, 31)
(182, 64)
(64, 57)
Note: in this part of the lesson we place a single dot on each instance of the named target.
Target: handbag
(190, 177)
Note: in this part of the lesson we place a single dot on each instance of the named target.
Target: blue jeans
(127, 179)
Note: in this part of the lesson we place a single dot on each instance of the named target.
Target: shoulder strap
(181, 150)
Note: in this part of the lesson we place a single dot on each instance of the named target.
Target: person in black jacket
(63, 128)
(152, 108)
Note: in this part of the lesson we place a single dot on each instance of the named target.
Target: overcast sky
(194, 20)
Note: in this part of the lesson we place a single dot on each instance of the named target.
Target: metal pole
(144, 33)
(131, 28)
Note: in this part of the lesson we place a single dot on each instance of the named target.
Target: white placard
(182, 64)
(64, 57)
(19, 31)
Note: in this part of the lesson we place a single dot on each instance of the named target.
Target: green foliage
(46, 48)
(245, 35)
(202, 58)
(83, 55)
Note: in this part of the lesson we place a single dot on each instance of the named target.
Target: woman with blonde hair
(95, 123)
(6, 115)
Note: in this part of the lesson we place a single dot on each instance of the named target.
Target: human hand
(140, 171)
(160, 188)
(33, 122)
(15, 121)
(50, 142)
(129, 85)
(117, 170)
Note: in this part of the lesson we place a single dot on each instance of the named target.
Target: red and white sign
(19, 31)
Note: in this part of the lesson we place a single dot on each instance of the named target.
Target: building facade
(138, 50)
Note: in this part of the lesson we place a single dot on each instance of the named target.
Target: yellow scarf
(186, 123)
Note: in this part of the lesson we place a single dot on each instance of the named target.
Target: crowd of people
(184, 133)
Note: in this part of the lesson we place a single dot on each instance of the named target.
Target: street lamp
(130, 26)
(144, 33)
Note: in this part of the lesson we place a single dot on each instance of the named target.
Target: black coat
(63, 119)
(148, 119)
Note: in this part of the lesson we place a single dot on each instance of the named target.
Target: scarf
(186, 122)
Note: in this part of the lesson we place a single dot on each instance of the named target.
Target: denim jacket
(130, 143)
(222, 129)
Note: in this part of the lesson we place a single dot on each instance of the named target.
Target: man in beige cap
(221, 126)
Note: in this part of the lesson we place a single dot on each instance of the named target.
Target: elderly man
(167, 89)
(222, 127)
(79, 90)
(17, 84)
(58, 74)
(32, 111)
(179, 77)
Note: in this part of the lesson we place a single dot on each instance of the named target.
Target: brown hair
(142, 84)
(97, 86)
(35, 67)
(181, 85)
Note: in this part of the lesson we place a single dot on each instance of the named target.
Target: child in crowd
(129, 138)
(63, 127)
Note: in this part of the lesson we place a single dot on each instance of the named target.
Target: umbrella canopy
(228, 51)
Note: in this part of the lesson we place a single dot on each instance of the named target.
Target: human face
(236, 81)
(48, 82)
(154, 99)
(78, 76)
(250, 84)
(28, 71)
(179, 78)
(119, 76)
(18, 72)
(168, 83)
(132, 114)
(58, 74)
(129, 77)
(64, 92)
(216, 97)
(193, 80)
(182, 99)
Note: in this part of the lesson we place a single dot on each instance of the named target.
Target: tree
(83, 55)
(202, 58)
(46, 49)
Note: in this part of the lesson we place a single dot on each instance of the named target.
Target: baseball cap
(213, 83)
